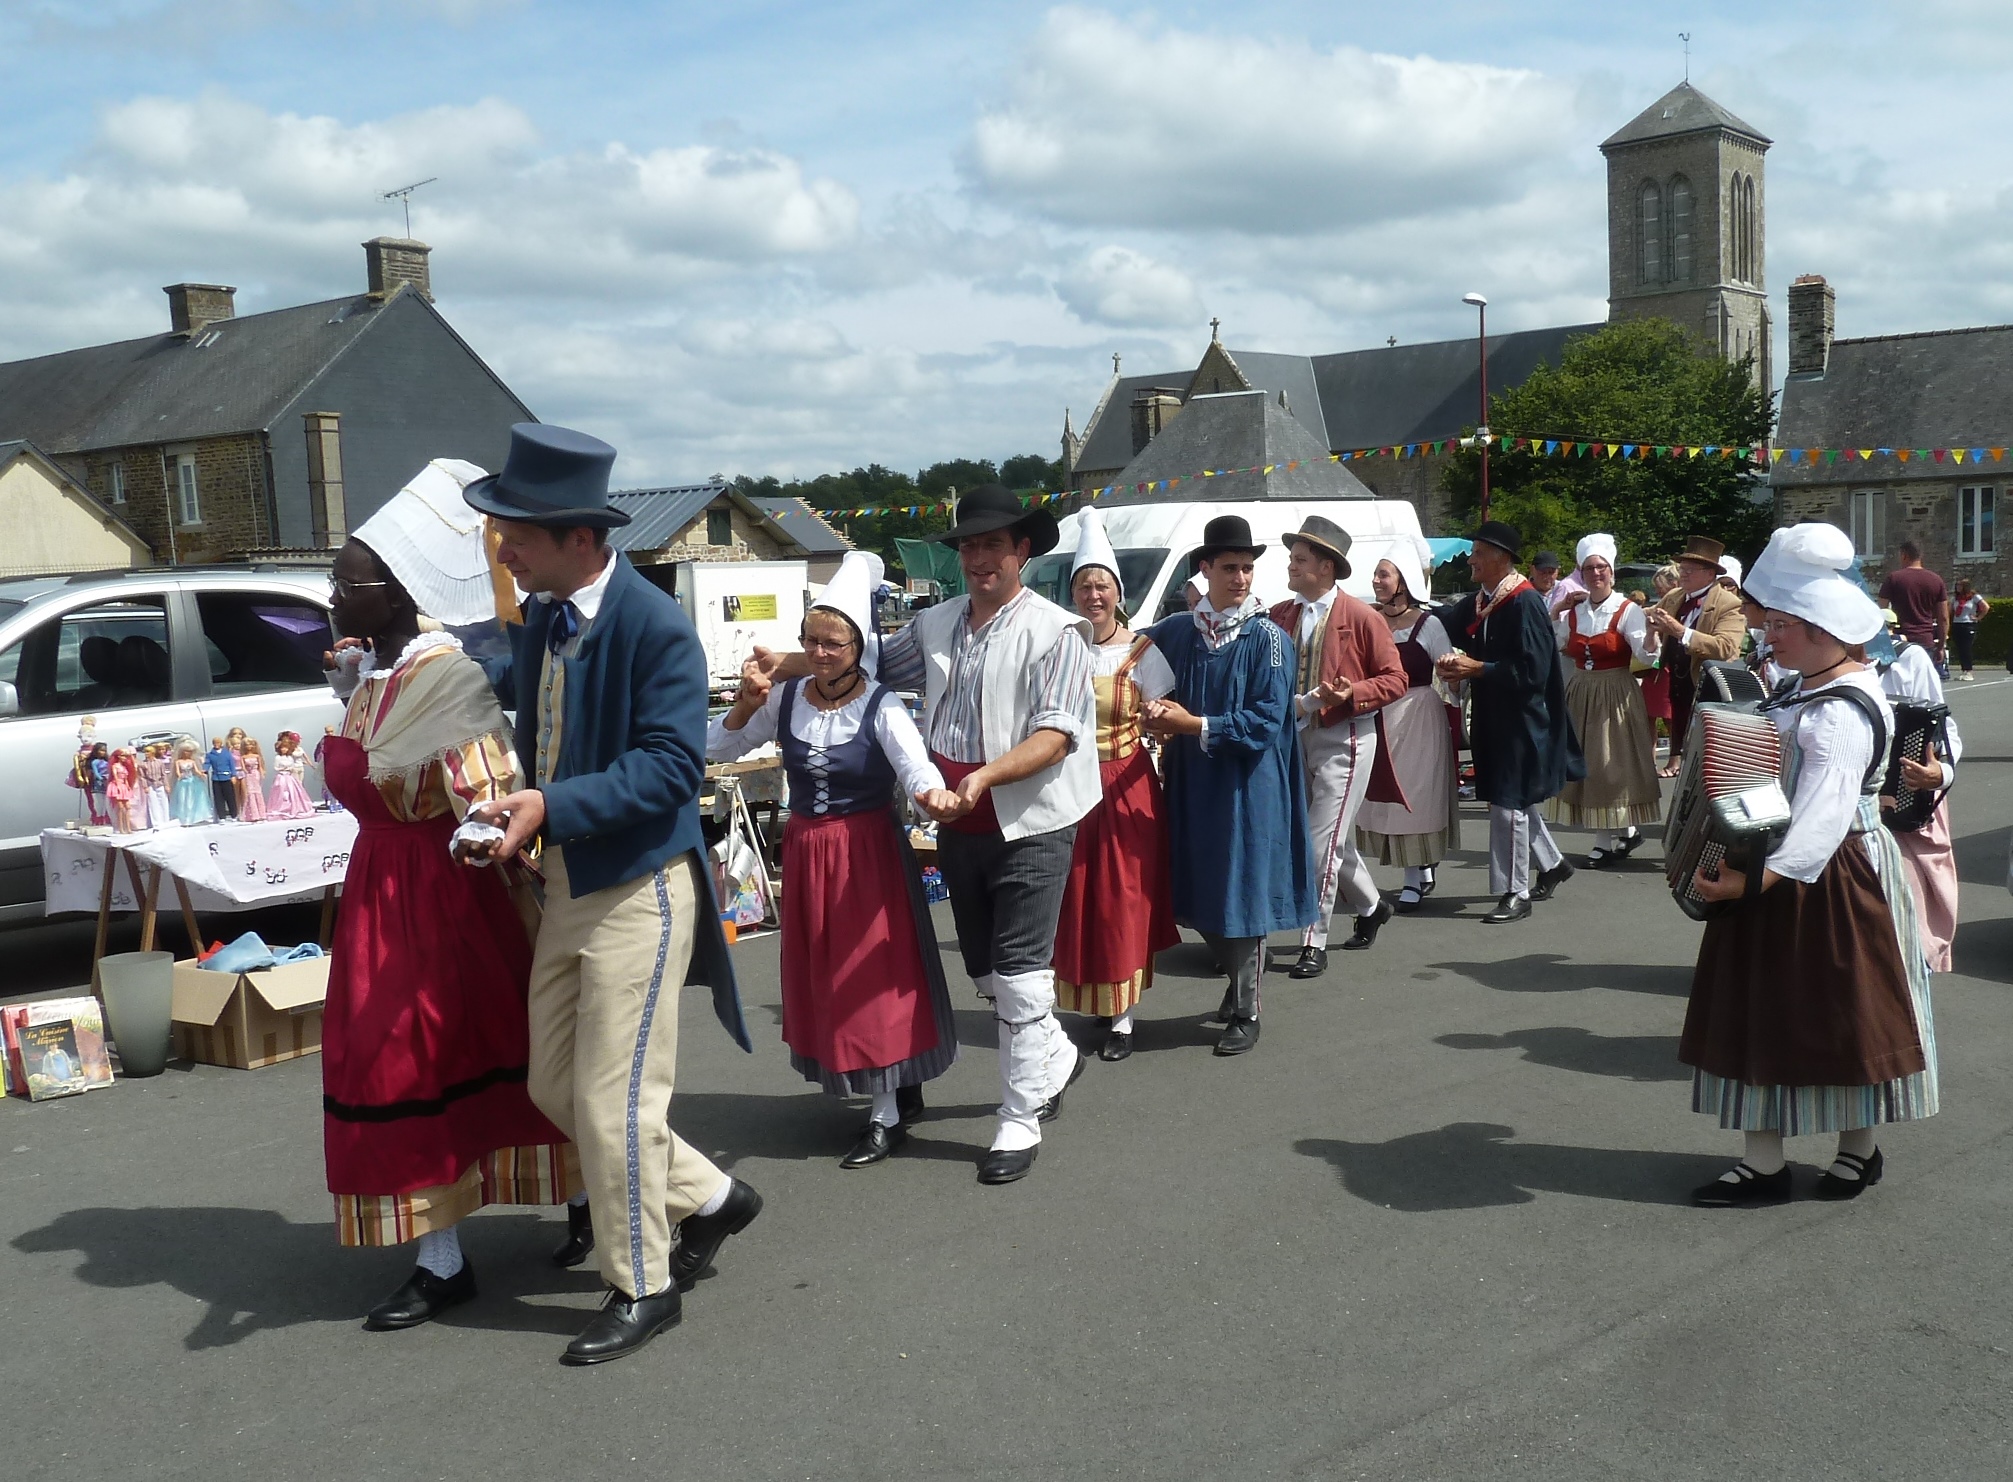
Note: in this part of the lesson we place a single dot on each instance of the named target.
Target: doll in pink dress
(122, 777)
(290, 794)
(253, 765)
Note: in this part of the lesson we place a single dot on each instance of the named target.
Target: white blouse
(1590, 621)
(894, 732)
(1837, 745)
(1432, 635)
(1152, 674)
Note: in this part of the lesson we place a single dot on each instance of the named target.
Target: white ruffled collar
(424, 643)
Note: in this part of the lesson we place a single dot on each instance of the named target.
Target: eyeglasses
(345, 588)
(827, 645)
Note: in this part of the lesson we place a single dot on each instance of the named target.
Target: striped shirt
(1062, 681)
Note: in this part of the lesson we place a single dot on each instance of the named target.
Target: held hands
(1165, 718)
(1662, 623)
(519, 814)
(1336, 692)
(755, 686)
(941, 804)
(1456, 666)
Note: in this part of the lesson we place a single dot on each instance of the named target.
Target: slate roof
(1356, 399)
(801, 523)
(237, 375)
(1237, 429)
(1682, 110)
(657, 515)
(1949, 388)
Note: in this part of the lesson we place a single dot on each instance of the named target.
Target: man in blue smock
(1237, 822)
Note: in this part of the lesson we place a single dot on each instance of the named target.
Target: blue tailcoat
(1237, 818)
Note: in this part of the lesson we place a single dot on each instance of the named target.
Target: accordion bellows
(1729, 804)
(433, 542)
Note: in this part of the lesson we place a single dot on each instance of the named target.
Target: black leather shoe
(1629, 843)
(1117, 1045)
(1511, 907)
(1831, 1186)
(1225, 1011)
(1550, 880)
(1004, 1167)
(1312, 964)
(1408, 900)
(909, 1104)
(1238, 1038)
(579, 1241)
(423, 1298)
(1753, 1188)
(623, 1325)
(875, 1144)
(1367, 928)
(1052, 1108)
(700, 1236)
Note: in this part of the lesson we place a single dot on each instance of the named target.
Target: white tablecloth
(227, 866)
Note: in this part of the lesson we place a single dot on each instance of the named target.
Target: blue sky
(785, 238)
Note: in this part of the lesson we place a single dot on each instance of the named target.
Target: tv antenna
(403, 195)
(1685, 37)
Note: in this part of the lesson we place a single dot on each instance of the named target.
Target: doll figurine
(122, 778)
(234, 742)
(192, 789)
(220, 765)
(290, 794)
(156, 772)
(253, 764)
(100, 767)
(328, 801)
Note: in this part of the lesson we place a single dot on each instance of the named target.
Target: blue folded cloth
(249, 953)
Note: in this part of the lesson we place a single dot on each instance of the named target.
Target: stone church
(1686, 217)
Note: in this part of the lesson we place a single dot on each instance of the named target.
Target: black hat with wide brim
(553, 476)
(1502, 537)
(992, 507)
(1224, 533)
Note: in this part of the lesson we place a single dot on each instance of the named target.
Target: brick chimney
(391, 261)
(1812, 311)
(193, 305)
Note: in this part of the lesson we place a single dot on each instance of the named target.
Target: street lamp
(1482, 424)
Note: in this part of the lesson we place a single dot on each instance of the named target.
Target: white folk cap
(1602, 545)
(1093, 548)
(850, 592)
(432, 541)
(1802, 573)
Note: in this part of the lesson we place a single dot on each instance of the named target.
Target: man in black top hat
(1522, 737)
(1011, 720)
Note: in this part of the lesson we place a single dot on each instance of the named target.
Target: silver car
(153, 655)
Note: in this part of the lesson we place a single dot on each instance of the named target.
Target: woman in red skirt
(1117, 911)
(424, 1040)
(865, 1008)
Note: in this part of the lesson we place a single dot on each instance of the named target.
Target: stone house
(231, 436)
(49, 522)
(1942, 398)
(714, 521)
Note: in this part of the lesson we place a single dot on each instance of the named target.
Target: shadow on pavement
(1474, 1165)
(1984, 950)
(1981, 857)
(1550, 972)
(1639, 1057)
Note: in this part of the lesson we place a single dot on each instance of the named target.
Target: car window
(101, 657)
(261, 641)
(1049, 575)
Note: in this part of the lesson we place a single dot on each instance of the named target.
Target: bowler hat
(992, 507)
(1503, 537)
(1327, 538)
(552, 476)
(1704, 550)
(1224, 533)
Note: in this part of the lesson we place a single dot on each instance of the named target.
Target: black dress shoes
(909, 1104)
(1238, 1038)
(1052, 1108)
(1746, 1188)
(1512, 907)
(1117, 1045)
(874, 1145)
(1550, 880)
(1831, 1186)
(1367, 928)
(579, 1241)
(700, 1236)
(1005, 1166)
(623, 1325)
(423, 1298)
(1225, 1011)
(1312, 964)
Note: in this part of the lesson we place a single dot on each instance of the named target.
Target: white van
(1152, 542)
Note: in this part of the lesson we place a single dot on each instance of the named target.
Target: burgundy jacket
(1357, 646)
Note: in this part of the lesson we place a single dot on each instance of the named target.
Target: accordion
(1915, 726)
(1729, 806)
(1724, 683)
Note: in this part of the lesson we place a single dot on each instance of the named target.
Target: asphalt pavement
(1434, 1227)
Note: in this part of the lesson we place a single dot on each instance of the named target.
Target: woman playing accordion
(1809, 1008)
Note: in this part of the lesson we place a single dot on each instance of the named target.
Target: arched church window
(1681, 230)
(1731, 234)
(1749, 216)
(1650, 235)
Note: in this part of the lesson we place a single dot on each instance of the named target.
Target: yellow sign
(755, 609)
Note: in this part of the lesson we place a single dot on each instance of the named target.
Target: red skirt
(425, 1044)
(1117, 910)
(865, 1005)
(1656, 685)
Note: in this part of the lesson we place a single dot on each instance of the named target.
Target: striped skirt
(548, 1174)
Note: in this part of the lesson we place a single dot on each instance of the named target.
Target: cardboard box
(247, 1020)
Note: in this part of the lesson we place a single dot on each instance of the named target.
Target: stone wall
(1924, 510)
(751, 542)
(230, 486)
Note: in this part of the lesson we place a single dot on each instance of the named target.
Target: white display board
(227, 866)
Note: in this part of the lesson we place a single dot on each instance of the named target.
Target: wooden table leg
(150, 902)
(327, 933)
(104, 922)
(189, 918)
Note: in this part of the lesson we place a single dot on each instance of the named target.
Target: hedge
(1995, 634)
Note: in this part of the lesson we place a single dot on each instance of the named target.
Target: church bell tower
(1685, 225)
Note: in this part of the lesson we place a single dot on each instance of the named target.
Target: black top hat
(1327, 537)
(552, 476)
(1502, 537)
(992, 507)
(1224, 533)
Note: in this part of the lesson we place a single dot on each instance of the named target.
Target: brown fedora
(1704, 550)
(1327, 537)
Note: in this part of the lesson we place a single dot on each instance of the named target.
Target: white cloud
(1114, 121)
(1116, 285)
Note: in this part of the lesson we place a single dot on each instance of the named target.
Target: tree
(1641, 382)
